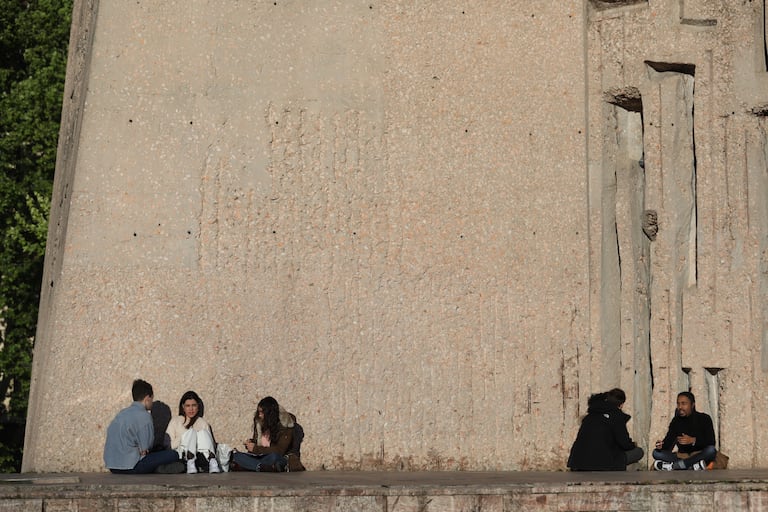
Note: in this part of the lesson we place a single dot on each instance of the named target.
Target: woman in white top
(190, 434)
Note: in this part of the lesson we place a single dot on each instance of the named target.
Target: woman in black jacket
(603, 443)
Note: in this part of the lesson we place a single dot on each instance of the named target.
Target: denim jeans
(149, 463)
(250, 463)
(707, 454)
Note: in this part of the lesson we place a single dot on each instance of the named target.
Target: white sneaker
(191, 468)
(660, 465)
(213, 466)
(699, 466)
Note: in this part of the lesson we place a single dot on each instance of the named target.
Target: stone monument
(429, 229)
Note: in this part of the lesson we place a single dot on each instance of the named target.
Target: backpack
(298, 438)
(294, 452)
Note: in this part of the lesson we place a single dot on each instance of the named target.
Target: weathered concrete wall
(680, 137)
(424, 228)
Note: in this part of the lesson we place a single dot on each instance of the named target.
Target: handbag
(720, 462)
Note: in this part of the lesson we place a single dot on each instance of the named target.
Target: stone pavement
(341, 491)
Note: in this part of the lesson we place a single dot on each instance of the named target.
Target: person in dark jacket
(272, 447)
(603, 443)
(694, 435)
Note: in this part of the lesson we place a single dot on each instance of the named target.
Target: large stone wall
(678, 142)
(429, 229)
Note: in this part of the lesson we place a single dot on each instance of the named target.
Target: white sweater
(176, 429)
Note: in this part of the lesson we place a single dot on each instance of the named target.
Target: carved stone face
(650, 224)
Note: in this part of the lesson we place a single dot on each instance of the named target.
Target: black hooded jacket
(602, 438)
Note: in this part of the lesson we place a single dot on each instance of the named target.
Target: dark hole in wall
(628, 98)
(698, 22)
(609, 4)
(760, 111)
(675, 67)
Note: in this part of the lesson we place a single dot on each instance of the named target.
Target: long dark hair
(271, 422)
(191, 395)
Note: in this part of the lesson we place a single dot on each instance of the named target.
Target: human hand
(659, 444)
(249, 445)
(685, 439)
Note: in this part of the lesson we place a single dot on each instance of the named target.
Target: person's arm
(173, 433)
(621, 435)
(671, 438)
(706, 434)
(146, 435)
(284, 438)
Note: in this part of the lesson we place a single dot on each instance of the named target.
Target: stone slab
(725, 491)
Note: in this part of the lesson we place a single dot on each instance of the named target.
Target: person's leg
(664, 456)
(188, 449)
(151, 461)
(188, 442)
(665, 460)
(706, 456)
(207, 447)
(245, 462)
(205, 444)
(271, 461)
(634, 455)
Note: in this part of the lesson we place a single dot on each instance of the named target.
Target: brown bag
(720, 462)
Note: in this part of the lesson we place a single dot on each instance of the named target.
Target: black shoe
(172, 468)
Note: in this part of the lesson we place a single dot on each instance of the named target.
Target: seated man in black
(603, 443)
(693, 434)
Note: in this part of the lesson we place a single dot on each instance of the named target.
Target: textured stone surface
(422, 228)
(448, 491)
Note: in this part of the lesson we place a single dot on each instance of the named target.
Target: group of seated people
(603, 442)
(190, 446)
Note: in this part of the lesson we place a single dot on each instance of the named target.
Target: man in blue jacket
(603, 442)
(131, 435)
(694, 435)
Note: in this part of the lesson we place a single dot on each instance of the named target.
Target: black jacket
(602, 439)
(698, 425)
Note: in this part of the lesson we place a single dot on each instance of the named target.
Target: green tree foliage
(34, 35)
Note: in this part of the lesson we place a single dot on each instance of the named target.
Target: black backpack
(298, 438)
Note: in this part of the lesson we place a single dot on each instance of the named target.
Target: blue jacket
(129, 434)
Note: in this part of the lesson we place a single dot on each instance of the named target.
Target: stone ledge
(389, 491)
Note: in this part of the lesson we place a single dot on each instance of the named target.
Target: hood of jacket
(597, 405)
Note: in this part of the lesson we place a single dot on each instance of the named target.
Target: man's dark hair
(141, 389)
(615, 396)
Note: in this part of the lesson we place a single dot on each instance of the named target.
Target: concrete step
(341, 491)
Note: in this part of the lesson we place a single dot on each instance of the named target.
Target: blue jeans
(707, 454)
(251, 463)
(150, 462)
